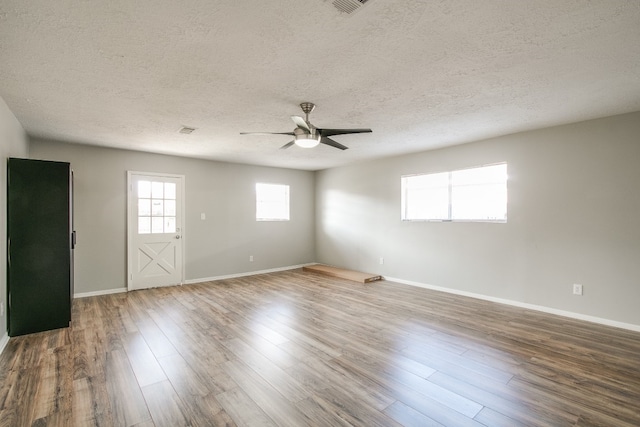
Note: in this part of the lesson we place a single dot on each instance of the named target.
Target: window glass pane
(157, 225)
(169, 190)
(484, 175)
(426, 196)
(157, 190)
(157, 208)
(170, 208)
(481, 202)
(144, 225)
(272, 210)
(144, 207)
(477, 194)
(144, 189)
(272, 202)
(434, 180)
(169, 224)
(428, 203)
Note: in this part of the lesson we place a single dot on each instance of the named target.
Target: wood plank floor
(298, 349)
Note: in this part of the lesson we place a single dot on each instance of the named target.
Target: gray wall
(13, 143)
(217, 246)
(573, 217)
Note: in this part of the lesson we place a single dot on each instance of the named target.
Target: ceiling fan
(307, 135)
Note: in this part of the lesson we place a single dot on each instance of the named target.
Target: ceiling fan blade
(288, 144)
(331, 132)
(331, 142)
(300, 122)
(267, 133)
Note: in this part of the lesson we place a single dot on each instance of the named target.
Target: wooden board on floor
(356, 276)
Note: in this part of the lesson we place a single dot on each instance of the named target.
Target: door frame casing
(130, 209)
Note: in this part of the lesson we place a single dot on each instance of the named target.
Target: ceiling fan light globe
(307, 141)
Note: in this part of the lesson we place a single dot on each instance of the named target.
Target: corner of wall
(14, 142)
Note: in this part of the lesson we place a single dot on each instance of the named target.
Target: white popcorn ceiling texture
(422, 74)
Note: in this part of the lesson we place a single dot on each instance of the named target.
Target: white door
(155, 230)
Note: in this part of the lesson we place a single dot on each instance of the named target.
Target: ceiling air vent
(186, 130)
(349, 6)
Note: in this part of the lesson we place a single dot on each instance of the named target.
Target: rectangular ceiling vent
(349, 6)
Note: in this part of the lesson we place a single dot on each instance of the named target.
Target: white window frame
(442, 185)
(267, 193)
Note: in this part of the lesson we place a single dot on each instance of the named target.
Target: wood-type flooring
(299, 349)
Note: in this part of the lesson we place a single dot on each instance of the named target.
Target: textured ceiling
(422, 74)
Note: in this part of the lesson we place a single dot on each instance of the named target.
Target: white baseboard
(249, 273)
(97, 293)
(3, 342)
(192, 281)
(593, 319)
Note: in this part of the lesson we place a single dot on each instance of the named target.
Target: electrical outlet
(381, 260)
(577, 289)
(203, 216)
(250, 258)
(1, 308)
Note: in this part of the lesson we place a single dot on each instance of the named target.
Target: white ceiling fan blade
(301, 123)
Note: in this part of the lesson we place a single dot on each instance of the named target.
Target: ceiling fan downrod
(307, 108)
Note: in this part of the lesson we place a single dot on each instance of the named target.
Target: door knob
(177, 236)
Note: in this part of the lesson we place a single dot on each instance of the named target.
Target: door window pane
(157, 225)
(144, 225)
(157, 190)
(170, 190)
(144, 207)
(157, 208)
(144, 189)
(169, 208)
(169, 224)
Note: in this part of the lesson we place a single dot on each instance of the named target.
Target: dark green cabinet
(40, 242)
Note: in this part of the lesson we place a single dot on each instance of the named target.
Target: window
(156, 207)
(477, 194)
(272, 202)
